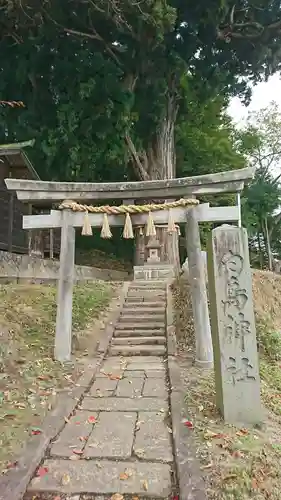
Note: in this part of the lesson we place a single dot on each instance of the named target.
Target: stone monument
(233, 326)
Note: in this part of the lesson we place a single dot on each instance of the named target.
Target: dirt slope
(267, 297)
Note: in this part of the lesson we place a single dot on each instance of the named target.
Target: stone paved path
(119, 440)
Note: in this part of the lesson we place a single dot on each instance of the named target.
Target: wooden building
(15, 163)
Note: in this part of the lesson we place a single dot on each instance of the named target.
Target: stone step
(129, 350)
(123, 325)
(138, 340)
(148, 284)
(145, 300)
(147, 304)
(146, 291)
(143, 311)
(133, 332)
(135, 318)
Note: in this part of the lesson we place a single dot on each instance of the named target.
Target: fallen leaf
(242, 432)
(92, 419)
(230, 476)
(42, 471)
(254, 484)
(65, 479)
(208, 466)
(123, 476)
(117, 496)
(77, 452)
(188, 423)
(74, 457)
(138, 424)
(11, 465)
(237, 454)
(145, 485)
(140, 452)
(58, 497)
(210, 434)
(66, 420)
(82, 438)
(115, 377)
(135, 498)
(35, 431)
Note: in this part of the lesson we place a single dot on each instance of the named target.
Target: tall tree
(160, 54)
(157, 46)
(261, 142)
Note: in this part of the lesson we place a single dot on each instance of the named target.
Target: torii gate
(186, 187)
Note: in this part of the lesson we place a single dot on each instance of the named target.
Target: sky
(263, 94)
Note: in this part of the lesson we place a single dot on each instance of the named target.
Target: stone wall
(15, 267)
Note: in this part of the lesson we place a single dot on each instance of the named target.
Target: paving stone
(155, 387)
(93, 476)
(103, 387)
(153, 440)
(115, 372)
(130, 388)
(134, 374)
(77, 427)
(137, 349)
(124, 404)
(112, 436)
(143, 359)
(147, 367)
(155, 373)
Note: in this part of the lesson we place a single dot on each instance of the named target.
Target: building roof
(17, 158)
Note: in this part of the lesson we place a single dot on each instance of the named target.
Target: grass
(237, 464)
(30, 380)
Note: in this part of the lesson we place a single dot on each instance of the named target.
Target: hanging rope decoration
(127, 210)
(12, 104)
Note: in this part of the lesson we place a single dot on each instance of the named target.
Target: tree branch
(140, 168)
(94, 36)
(231, 30)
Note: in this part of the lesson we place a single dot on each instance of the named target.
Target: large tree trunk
(159, 162)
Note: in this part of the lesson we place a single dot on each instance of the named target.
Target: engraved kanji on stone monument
(233, 326)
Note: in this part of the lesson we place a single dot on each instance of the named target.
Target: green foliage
(88, 80)
(260, 199)
(269, 341)
(206, 140)
(260, 142)
(159, 73)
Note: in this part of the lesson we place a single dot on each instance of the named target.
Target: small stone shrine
(153, 247)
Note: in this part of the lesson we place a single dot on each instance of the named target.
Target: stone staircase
(141, 329)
